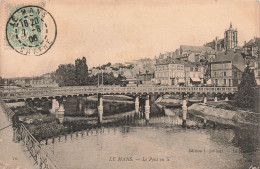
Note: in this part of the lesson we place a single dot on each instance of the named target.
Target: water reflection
(88, 107)
(127, 136)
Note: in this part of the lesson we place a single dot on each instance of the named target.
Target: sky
(124, 30)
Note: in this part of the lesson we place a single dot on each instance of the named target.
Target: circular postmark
(31, 30)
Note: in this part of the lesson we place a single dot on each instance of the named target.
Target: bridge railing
(74, 90)
(37, 152)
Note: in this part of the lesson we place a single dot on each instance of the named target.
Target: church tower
(230, 38)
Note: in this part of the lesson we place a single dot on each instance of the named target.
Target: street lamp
(98, 79)
(102, 77)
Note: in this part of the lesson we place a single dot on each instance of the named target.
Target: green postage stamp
(31, 30)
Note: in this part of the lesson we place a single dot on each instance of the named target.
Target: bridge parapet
(26, 93)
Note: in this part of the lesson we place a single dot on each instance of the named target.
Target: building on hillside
(251, 53)
(20, 82)
(217, 44)
(257, 69)
(131, 80)
(143, 65)
(94, 71)
(117, 65)
(194, 74)
(250, 50)
(227, 69)
(169, 73)
(230, 38)
(43, 83)
(108, 70)
(145, 78)
(209, 56)
(193, 53)
(228, 42)
(185, 49)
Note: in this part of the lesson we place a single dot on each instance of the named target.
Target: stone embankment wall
(210, 112)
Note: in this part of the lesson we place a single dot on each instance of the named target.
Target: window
(196, 69)
(225, 81)
(225, 74)
(191, 69)
(235, 74)
(216, 81)
(215, 74)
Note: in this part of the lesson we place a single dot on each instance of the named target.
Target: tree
(247, 90)
(65, 75)
(2, 80)
(119, 79)
(81, 72)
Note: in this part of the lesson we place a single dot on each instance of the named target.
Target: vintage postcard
(133, 84)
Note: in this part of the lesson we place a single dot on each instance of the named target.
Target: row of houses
(219, 63)
(224, 68)
(175, 72)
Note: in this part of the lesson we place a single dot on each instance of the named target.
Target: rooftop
(254, 41)
(193, 64)
(235, 57)
(195, 48)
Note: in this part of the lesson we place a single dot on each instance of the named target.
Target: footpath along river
(161, 144)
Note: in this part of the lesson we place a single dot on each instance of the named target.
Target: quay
(26, 154)
(12, 155)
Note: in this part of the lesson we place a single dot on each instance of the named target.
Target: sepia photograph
(130, 84)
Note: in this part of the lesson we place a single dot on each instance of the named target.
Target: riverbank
(12, 155)
(224, 113)
(176, 100)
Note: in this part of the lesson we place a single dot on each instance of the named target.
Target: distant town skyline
(122, 31)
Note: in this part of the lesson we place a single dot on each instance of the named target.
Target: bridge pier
(61, 112)
(226, 98)
(205, 99)
(137, 104)
(85, 98)
(100, 108)
(55, 107)
(184, 111)
(80, 104)
(215, 99)
(204, 122)
(147, 108)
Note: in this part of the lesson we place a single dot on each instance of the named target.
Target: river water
(163, 144)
